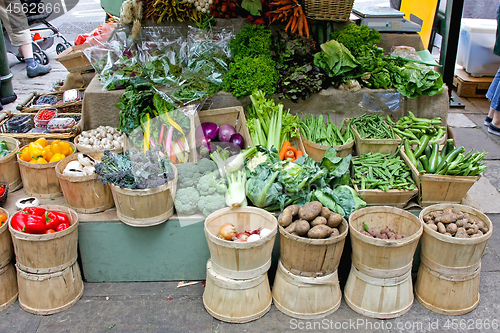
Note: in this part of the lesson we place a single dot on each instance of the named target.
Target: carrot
(285, 8)
(306, 27)
(294, 24)
(288, 25)
(284, 149)
(301, 25)
(296, 11)
(289, 154)
(298, 154)
(292, 149)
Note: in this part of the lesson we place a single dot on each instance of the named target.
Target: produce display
(381, 172)
(449, 161)
(384, 233)
(416, 129)
(40, 151)
(316, 130)
(103, 137)
(455, 223)
(134, 169)
(372, 126)
(83, 166)
(228, 232)
(312, 220)
(4, 151)
(37, 220)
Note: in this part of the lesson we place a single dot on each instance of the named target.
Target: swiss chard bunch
(299, 77)
(135, 100)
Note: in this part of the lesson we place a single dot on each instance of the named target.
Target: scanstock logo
(48, 9)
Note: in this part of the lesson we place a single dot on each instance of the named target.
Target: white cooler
(475, 47)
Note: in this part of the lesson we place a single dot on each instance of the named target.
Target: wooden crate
(436, 189)
(74, 59)
(394, 198)
(384, 146)
(468, 86)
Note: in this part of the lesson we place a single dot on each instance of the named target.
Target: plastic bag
(163, 61)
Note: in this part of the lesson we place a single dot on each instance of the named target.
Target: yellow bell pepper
(66, 148)
(35, 150)
(25, 154)
(38, 160)
(57, 157)
(47, 153)
(42, 142)
(56, 147)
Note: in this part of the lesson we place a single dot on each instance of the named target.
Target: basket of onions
(241, 241)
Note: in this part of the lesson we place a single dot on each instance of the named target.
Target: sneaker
(37, 70)
(493, 130)
(488, 121)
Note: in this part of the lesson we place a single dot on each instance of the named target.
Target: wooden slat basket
(40, 179)
(384, 146)
(240, 260)
(311, 257)
(47, 253)
(145, 207)
(317, 152)
(84, 194)
(9, 168)
(45, 294)
(26, 138)
(328, 10)
(448, 277)
(8, 286)
(5, 241)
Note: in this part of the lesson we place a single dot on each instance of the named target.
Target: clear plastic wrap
(163, 60)
(61, 125)
(44, 116)
(72, 95)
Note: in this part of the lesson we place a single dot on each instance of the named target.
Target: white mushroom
(85, 160)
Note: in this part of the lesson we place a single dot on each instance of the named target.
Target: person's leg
(493, 95)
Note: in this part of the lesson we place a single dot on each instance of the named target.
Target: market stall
(245, 157)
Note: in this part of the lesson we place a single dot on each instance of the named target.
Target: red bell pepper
(62, 226)
(63, 218)
(51, 220)
(35, 211)
(18, 221)
(35, 225)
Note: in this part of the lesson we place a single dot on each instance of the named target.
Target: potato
(461, 233)
(448, 209)
(334, 220)
(291, 227)
(366, 233)
(447, 218)
(461, 222)
(433, 227)
(479, 232)
(325, 212)
(475, 235)
(427, 218)
(294, 209)
(319, 232)
(485, 230)
(335, 233)
(441, 228)
(285, 218)
(310, 210)
(451, 228)
(467, 225)
(480, 224)
(318, 220)
(473, 229)
(302, 227)
(448, 234)
(373, 232)
(383, 236)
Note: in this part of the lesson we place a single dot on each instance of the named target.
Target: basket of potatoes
(312, 239)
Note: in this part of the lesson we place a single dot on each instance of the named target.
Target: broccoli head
(188, 174)
(206, 165)
(186, 201)
(211, 203)
(207, 184)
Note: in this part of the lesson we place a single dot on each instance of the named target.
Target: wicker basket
(70, 107)
(328, 10)
(26, 138)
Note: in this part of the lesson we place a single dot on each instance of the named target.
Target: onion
(208, 130)
(225, 132)
(237, 139)
(264, 232)
(227, 231)
(253, 238)
(243, 236)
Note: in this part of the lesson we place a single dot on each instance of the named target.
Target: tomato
(50, 231)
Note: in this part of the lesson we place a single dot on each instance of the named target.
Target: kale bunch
(136, 100)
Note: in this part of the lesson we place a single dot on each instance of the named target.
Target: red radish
(227, 231)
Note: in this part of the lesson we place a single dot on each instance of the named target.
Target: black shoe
(38, 70)
(488, 121)
(493, 130)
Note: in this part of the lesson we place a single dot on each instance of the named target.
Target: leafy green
(248, 74)
(261, 188)
(335, 59)
(353, 37)
(348, 199)
(135, 100)
(254, 7)
(413, 80)
(336, 167)
(251, 41)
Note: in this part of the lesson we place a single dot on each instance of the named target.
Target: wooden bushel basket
(379, 284)
(145, 207)
(448, 277)
(84, 194)
(236, 301)
(45, 294)
(40, 179)
(306, 297)
(9, 168)
(8, 286)
(47, 253)
(240, 260)
(317, 152)
(5, 242)
(311, 257)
